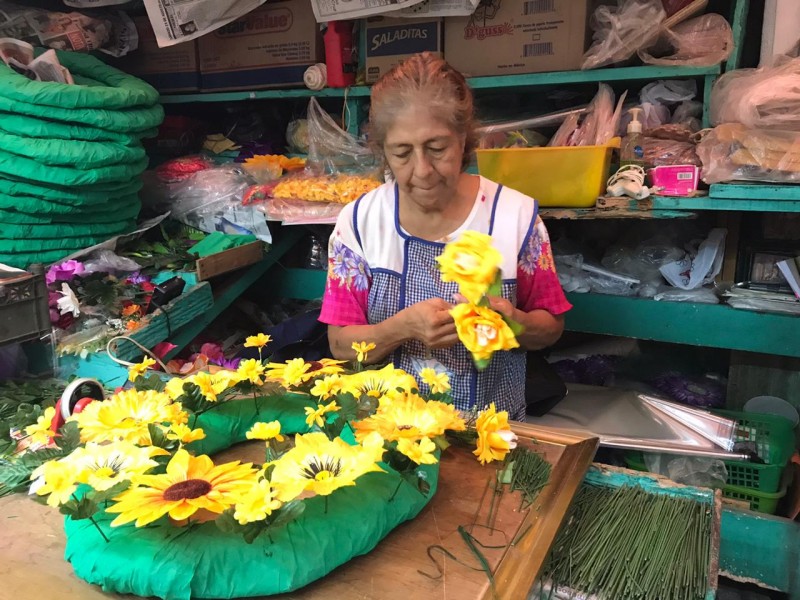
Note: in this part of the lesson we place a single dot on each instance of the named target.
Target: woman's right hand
(430, 322)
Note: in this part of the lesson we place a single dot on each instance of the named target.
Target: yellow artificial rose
(472, 263)
(482, 331)
(495, 438)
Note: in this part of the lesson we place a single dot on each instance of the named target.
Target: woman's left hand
(503, 306)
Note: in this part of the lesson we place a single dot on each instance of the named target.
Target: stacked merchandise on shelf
(70, 158)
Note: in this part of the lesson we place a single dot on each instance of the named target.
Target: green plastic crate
(774, 440)
(759, 501)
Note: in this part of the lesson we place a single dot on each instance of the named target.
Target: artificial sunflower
(190, 484)
(257, 504)
(265, 431)
(40, 433)
(325, 366)
(321, 466)
(257, 341)
(381, 383)
(317, 415)
(182, 433)
(102, 466)
(126, 415)
(421, 452)
(140, 369)
(292, 373)
(437, 381)
(495, 438)
(251, 370)
(211, 387)
(362, 350)
(56, 479)
(408, 416)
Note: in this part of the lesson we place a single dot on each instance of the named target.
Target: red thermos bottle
(339, 54)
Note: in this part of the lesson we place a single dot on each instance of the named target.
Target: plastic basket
(759, 501)
(774, 439)
(564, 176)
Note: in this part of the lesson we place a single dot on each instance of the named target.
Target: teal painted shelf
(515, 82)
(713, 325)
(225, 295)
(298, 284)
(736, 196)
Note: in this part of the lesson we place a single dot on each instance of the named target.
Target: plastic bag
(519, 133)
(331, 149)
(703, 295)
(570, 274)
(763, 98)
(704, 41)
(698, 267)
(733, 152)
(297, 136)
(107, 261)
(296, 212)
(620, 31)
(658, 96)
(688, 470)
(669, 152)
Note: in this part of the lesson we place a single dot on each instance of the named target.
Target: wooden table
(32, 561)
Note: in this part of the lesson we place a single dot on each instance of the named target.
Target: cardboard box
(271, 46)
(172, 69)
(510, 37)
(391, 41)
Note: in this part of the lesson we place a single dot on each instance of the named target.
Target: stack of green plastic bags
(71, 158)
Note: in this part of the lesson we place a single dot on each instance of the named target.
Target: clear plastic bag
(763, 98)
(658, 96)
(296, 212)
(297, 136)
(107, 261)
(688, 470)
(703, 295)
(700, 266)
(519, 132)
(733, 152)
(701, 42)
(333, 150)
(620, 31)
(669, 152)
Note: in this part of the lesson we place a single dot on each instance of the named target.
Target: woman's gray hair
(424, 78)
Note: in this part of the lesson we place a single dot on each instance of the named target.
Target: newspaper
(113, 33)
(19, 56)
(176, 21)
(337, 10)
(439, 8)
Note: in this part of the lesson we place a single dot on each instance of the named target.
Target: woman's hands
(430, 322)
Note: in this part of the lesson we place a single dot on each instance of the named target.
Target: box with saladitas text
(391, 41)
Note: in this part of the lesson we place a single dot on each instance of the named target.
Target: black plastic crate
(24, 313)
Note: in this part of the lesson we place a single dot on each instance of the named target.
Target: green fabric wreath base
(203, 562)
(42, 212)
(38, 128)
(85, 155)
(98, 85)
(36, 172)
(12, 190)
(50, 231)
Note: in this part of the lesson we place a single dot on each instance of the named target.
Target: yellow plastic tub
(571, 177)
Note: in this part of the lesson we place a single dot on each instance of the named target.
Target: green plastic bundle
(71, 158)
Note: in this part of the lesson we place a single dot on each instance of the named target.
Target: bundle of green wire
(71, 158)
(628, 544)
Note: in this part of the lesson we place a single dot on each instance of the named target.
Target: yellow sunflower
(437, 381)
(102, 466)
(56, 479)
(257, 504)
(190, 483)
(380, 383)
(495, 438)
(321, 466)
(265, 431)
(209, 385)
(257, 341)
(126, 415)
(139, 369)
(251, 370)
(317, 415)
(409, 416)
(174, 387)
(362, 350)
(420, 452)
(40, 433)
(184, 434)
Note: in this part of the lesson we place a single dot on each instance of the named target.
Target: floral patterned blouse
(375, 269)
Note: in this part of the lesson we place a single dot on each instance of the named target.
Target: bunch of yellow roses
(474, 264)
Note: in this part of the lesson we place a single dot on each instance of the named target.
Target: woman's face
(425, 156)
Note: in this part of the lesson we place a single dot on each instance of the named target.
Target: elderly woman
(383, 283)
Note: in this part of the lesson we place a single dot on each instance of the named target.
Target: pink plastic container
(675, 180)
